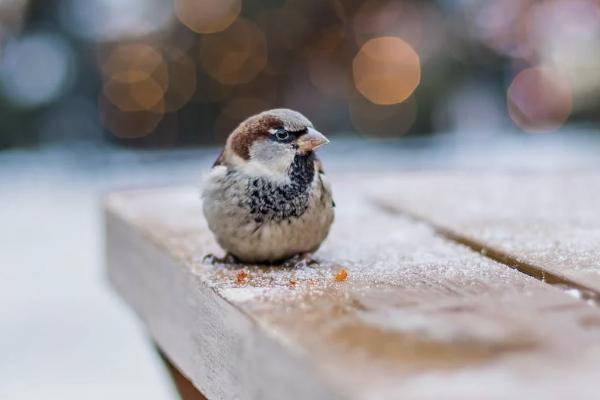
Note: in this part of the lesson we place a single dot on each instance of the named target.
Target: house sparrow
(266, 199)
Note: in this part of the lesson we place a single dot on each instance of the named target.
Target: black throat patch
(272, 201)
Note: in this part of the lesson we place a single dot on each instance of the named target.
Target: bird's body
(266, 198)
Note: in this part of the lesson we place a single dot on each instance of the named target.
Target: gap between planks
(589, 295)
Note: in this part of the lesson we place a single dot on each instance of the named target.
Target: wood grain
(418, 317)
(545, 224)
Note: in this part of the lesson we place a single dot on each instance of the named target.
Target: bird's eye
(282, 134)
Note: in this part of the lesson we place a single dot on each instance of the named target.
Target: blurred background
(163, 73)
(97, 95)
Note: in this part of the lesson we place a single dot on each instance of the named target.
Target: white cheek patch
(268, 158)
(272, 131)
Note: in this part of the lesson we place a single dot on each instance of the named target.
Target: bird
(266, 199)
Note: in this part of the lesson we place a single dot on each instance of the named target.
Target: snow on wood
(415, 317)
(546, 223)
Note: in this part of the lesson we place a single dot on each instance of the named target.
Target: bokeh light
(567, 34)
(503, 26)
(127, 125)
(12, 15)
(236, 55)
(386, 70)
(377, 18)
(106, 20)
(135, 78)
(141, 77)
(539, 99)
(193, 63)
(207, 16)
(418, 23)
(36, 69)
(146, 94)
(133, 62)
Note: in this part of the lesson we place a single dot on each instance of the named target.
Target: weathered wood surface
(546, 224)
(185, 388)
(419, 317)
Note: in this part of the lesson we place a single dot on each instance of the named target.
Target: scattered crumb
(341, 275)
(241, 277)
(292, 282)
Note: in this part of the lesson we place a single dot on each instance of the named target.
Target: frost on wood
(417, 316)
(549, 220)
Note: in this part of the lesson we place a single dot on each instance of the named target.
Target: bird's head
(267, 143)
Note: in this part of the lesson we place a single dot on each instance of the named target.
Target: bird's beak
(311, 140)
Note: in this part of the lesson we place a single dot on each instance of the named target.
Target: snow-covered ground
(65, 335)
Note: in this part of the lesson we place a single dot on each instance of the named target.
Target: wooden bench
(458, 287)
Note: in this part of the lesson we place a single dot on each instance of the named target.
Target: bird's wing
(319, 166)
(321, 171)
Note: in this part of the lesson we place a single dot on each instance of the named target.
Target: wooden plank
(419, 317)
(185, 388)
(548, 225)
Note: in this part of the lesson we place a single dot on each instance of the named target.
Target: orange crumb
(341, 275)
(292, 282)
(241, 277)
